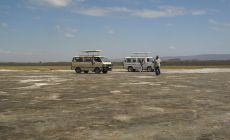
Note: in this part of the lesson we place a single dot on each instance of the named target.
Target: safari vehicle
(133, 63)
(91, 61)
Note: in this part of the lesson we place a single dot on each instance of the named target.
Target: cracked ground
(114, 106)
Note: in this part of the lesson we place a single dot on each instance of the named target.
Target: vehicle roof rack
(91, 53)
(140, 54)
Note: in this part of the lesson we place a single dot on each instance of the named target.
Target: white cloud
(150, 14)
(172, 47)
(198, 12)
(164, 11)
(72, 30)
(110, 30)
(219, 26)
(3, 24)
(4, 52)
(168, 24)
(173, 10)
(81, 0)
(212, 21)
(101, 11)
(58, 3)
(57, 27)
(51, 3)
(67, 32)
(69, 35)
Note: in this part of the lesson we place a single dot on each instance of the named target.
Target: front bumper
(107, 67)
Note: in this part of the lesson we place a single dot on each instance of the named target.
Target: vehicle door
(88, 63)
(127, 62)
(147, 63)
(135, 63)
(97, 62)
(77, 61)
(140, 61)
(74, 60)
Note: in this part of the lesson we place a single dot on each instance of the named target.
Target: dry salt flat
(205, 70)
(186, 105)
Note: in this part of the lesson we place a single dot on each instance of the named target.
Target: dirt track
(114, 106)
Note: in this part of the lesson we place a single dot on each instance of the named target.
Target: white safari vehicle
(138, 61)
(91, 61)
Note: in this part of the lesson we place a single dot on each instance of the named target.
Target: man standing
(157, 65)
(141, 61)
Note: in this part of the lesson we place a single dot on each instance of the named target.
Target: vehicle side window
(128, 60)
(141, 60)
(88, 59)
(134, 60)
(78, 59)
(97, 59)
(148, 59)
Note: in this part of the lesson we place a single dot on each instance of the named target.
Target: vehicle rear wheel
(130, 69)
(97, 70)
(86, 71)
(149, 69)
(78, 70)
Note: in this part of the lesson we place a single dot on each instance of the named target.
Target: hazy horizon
(56, 30)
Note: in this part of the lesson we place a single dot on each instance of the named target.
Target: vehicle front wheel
(130, 69)
(105, 71)
(78, 70)
(149, 69)
(97, 70)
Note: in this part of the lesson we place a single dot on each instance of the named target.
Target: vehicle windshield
(103, 59)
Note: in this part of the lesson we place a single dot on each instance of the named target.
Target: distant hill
(117, 60)
(202, 57)
(199, 57)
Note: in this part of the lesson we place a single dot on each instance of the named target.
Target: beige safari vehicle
(91, 61)
(140, 61)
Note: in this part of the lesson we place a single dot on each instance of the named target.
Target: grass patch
(115, 66)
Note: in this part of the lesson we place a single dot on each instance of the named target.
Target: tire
(130, 69)
(105, 71)
(97, 70)
(78, 70)
(149, 69)
(86, 71)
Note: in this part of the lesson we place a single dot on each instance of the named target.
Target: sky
(57, 30)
